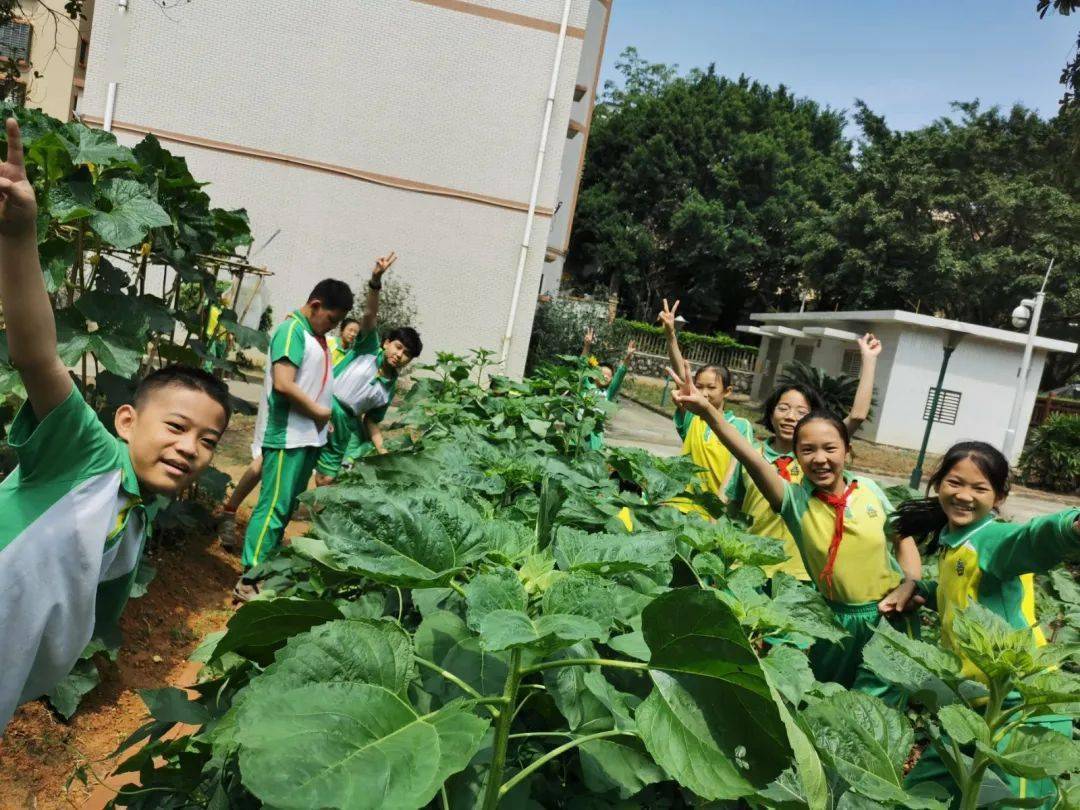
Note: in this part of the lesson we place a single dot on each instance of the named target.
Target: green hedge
(720, 340)
(1052, 456)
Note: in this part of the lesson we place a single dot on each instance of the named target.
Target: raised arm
(667, 320)
(869, 349)
(285, 384)
(765, 475)
(28, 316)
(588, 341)
(1033, 547)
(371, 304)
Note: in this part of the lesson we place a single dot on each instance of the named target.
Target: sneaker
(227, 532)
(245, 590)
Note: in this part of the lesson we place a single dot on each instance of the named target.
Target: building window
(948, 406)
(804, 353)
(13, 93)
(852, 362)
(84, 51)
(15, 41)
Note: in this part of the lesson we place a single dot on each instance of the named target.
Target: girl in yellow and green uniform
(718, 467)
(987, 561)
(838, 524)
(781, 412)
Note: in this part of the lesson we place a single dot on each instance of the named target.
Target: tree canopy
(738, 198)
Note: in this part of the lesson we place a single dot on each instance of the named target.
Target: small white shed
(977, 394)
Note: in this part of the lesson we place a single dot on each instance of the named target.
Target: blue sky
(906, 58)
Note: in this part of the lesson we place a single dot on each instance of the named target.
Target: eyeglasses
(784, 410)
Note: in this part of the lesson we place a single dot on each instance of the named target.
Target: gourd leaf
(131, 214)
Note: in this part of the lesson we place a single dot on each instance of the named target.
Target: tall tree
(958, 218)
(696, 186)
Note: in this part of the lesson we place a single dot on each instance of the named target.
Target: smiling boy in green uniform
(298, 390)
(74, 514)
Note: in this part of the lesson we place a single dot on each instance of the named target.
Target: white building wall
(402, 89)
(983, 371)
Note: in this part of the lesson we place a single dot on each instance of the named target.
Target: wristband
(375, 284)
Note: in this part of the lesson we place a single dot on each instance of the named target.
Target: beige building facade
(350, 129)
(52, 52)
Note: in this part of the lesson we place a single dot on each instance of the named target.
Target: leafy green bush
(838, 392)
(397, 305)
(559, 329)
(686, 339)
(1051, 457)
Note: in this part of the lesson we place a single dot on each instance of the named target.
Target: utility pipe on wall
(545, 129)
(110, 96)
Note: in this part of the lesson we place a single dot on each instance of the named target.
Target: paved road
(635, 426)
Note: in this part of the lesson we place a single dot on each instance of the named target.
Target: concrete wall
(983, 371)
(54, 57)
(407, 94)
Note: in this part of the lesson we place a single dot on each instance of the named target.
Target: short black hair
(347, 321)
(813, 399)
(822, 416)
(333, 294)
(723, 372)
(409, 338)
(194, 379)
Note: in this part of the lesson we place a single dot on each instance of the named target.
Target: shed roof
(801, 319)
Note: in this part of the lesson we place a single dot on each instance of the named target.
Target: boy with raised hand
(75, 513)
(298, 390)
(364, 383)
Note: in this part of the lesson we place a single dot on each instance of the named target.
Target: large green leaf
(418, 540)
(582, 594)
(131, 214)
(1032, 752)
(503, 629)
(499, 589)
(866, 743)
(789, 671)
(350, 745)
(924, 671)
(99, 148)
(618, 763)
(611, 553)
(70, 200)
(343, 651)
(68, 693)
(444, 639)
(963, 725)
(260, 627)
(710, 721)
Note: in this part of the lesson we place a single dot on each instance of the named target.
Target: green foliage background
(736, 197)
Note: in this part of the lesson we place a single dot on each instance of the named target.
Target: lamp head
(1021, 316)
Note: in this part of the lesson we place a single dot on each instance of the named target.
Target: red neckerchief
(838, 504)
(782, 463)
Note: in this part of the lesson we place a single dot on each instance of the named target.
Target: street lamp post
(680, 322)
(1027, 314)
(952, 340)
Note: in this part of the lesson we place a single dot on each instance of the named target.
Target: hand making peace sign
(18, 206)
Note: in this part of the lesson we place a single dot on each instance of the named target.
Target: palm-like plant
(838, 392)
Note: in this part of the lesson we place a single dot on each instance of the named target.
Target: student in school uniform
(76, 511)
(780, 413)
(838, 522)
(339, 346)
(611, 379)
(719, 467)
(298, 392)
(365, 380)
(982, 559)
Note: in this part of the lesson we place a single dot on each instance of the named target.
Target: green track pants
(285, 475)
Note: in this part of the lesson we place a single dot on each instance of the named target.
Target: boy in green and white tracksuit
(298, 392)
(76, 512)
(365, 381)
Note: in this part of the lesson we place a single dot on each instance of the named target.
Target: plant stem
(584, 662)
(540, 734)
(457, 589)
(454, 679)
(554, 752)
(493, 793)
(980, 762)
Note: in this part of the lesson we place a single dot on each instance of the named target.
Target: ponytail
(919, 518)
